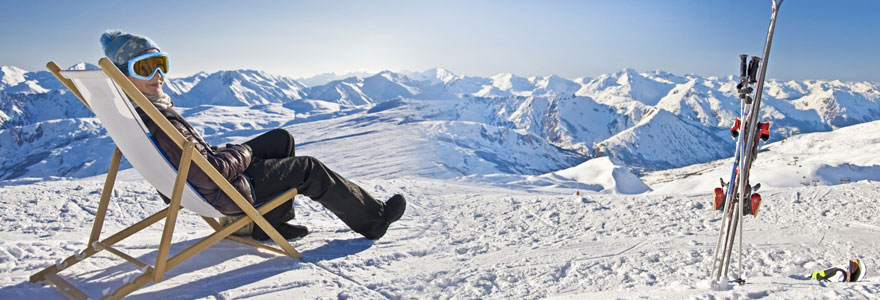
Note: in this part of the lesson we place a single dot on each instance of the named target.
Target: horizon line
(344, 74)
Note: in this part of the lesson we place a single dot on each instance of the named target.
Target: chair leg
(105, 196)
(89, 251)
(66, 288)
(130, 287)
(205, 243)
(173, 208)
(96, 245)
(217, 227)
(219, 234)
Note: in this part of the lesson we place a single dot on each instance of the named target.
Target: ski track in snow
(461, 241)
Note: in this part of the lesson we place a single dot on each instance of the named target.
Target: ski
(740, 197)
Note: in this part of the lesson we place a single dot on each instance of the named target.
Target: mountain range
(505, 123)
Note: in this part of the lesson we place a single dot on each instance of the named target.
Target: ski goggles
(146, 66)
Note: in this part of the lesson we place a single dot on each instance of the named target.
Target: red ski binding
(734, 131)
(719, 199)
(764, 130)
(755, 204)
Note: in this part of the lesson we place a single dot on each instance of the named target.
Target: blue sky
(814, 39)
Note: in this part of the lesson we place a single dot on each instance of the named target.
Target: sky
(814, 39)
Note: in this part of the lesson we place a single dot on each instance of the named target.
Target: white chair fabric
(112, 107)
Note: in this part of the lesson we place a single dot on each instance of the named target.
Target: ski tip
(856, 270)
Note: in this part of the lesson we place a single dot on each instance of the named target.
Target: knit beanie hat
(120, 47)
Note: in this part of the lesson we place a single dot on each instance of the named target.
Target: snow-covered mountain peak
(83, 66)
(388, 85)
(511, 83)
(582, 80)
(434, 75)
(624, 86)
(444, 75)
(235, 88)
(325, 78)
(627, 76)
(392, 76)
(544, 81)
(555, 85)
(665, 77)
(353, 91)
(615, 114)
(11, 75)
(247, 75)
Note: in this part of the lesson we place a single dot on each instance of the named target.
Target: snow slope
(488, 237)
(823, 158)
(461, 241)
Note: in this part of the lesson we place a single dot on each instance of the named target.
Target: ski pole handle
(753, 69)
(742, 65)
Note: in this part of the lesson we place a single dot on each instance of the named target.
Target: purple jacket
(230, 161)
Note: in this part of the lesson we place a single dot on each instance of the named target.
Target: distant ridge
(644, 120)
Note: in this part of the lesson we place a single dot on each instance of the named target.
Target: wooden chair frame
(163, 263)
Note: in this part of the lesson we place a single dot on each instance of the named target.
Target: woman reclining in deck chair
(260, 168)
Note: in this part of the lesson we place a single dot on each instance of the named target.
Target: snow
(434, 75)
(823, 158)
(624, 86)
(11, 76)
(603, 194)
(461, 240)
(605, 173)
(234, 88)
(588, 117)
(324, 78)
(467, 239)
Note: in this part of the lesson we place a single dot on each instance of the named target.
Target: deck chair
(106, 93)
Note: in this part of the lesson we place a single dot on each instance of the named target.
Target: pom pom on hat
(108, 36)
(120, 47)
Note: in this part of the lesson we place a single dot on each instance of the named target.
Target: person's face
(152, 86)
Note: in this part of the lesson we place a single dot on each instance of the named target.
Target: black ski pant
(275, 169)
